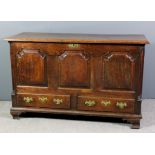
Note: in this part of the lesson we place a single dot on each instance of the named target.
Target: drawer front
(44, 101)
(105, 104)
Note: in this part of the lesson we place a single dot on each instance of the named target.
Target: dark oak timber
(78, 74)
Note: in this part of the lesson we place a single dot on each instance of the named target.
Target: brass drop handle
(121, 105)
(28, 99)
(105, 103)
(73, 45)
(89, 103)
(57, 101)
(43, 99)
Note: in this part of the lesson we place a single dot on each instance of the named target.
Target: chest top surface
(78, 38)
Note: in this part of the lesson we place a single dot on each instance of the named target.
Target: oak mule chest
(78, 74)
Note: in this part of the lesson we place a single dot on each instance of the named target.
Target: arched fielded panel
(31, 68)
(74, 69)
(118, 71)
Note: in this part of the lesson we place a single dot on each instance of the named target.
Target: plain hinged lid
(78, 38)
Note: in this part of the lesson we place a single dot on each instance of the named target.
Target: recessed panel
(74, 69)
(31, 68)
(118, 71)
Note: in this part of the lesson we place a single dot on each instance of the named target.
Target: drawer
(44, 101)
(105, 104)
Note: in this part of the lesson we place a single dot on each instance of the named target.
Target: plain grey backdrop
(100, 27)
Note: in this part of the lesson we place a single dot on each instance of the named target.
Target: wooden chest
(78, 74)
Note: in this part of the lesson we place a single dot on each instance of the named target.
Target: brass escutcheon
(57, 101)
(90, 103)
(43, 99)
(73, 45)
(105, 103)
